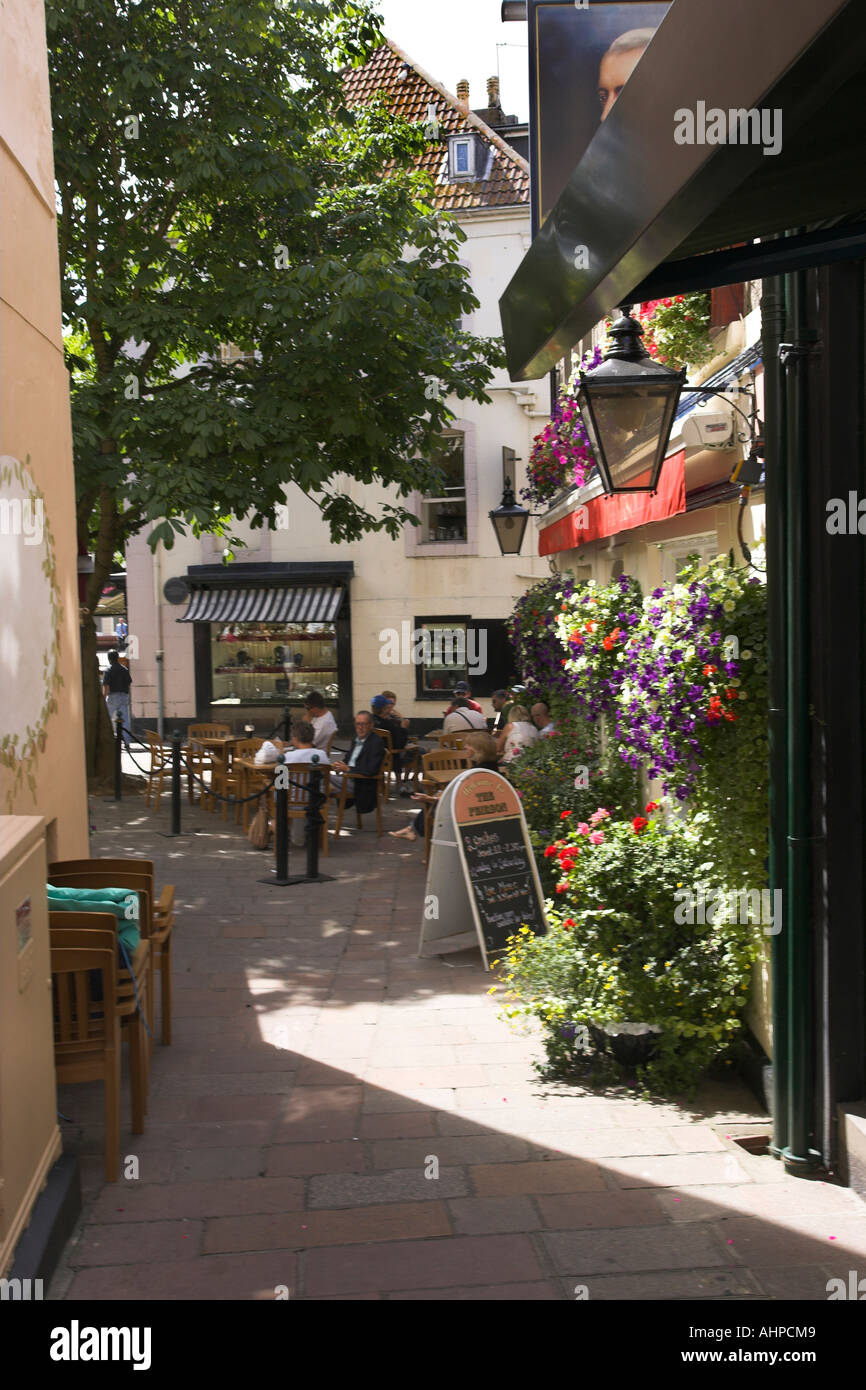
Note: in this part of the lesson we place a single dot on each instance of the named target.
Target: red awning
(605, 516)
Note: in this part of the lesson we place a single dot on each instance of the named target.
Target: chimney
(463, 90)
(493, 92)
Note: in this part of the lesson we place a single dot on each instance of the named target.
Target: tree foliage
(213, 188)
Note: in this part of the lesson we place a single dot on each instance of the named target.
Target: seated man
(463, 717)
(323, 722)
(463, 692)
(382, 719)
(302, 750)
(364, 757)
(541, 718)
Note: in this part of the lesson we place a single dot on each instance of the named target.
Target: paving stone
(677, 1170)
(660, 1286)
(409, 1125)
(400, 1265)
(480, 1216)
(307, 1159)
(369, 1189)
(607, 1143)
(307, 1229)
(113, 1244)
(230, 1197)
(230, 1278)
(203, 1165)
(837, 1241)
(629, 1249)
(487, 1148)
(601, 1210)
(380, 1102)
(775, 1203)
(500, 1293)
(414, 1079)
(512, 1179)
(803, 1283)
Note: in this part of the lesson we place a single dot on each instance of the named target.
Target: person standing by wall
(115, 686)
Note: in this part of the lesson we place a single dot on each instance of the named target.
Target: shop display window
(268, 664)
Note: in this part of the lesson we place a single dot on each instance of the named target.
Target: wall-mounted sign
(580, 58)
(482, 884)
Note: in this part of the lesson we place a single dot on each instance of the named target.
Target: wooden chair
(300, 772)
(136, 882)
(381, 780)
(79, 931)
(446, 760)
(162, 922)
(200, 760)
(452, 741)
(226, 779)
(87, 1030)
(160, 766)
(385, 736)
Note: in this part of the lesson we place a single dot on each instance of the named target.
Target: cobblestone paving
(321, 1073)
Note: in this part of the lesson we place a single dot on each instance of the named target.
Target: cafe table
(218, 746)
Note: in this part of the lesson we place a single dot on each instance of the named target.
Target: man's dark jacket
(368, 765)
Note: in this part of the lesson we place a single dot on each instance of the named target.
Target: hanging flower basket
(561, 454)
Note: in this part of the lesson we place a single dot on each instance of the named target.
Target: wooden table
(218, 747)
(441, 776)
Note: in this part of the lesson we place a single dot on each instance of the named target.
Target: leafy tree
(213, 188)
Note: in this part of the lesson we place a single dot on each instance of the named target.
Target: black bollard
(281, 837)
(175, 782)
(314, 823)
(287, 722)
(118, 750)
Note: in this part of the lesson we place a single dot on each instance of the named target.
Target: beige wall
(44, 773)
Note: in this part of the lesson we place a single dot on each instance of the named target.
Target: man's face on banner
(615, 70)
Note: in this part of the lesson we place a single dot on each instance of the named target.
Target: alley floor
(339, 1119)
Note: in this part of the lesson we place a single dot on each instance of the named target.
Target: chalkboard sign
(480, 817)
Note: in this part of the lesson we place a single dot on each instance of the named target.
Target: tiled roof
(410, 91)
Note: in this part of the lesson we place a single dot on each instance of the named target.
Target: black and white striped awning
(316, 604)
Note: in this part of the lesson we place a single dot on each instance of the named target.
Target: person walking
(115, 686)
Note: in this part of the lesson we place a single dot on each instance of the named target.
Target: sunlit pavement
(337, 1118)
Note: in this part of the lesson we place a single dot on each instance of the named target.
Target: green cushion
(122, 903)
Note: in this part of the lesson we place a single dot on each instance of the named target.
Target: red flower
(709, 670)
(564, 815)
(607, 644)
(729, 716)
(731, 695)
(569, 922)
(652, 806)
(566, 864)
(639, 823)
(550, 851)
(562, 887)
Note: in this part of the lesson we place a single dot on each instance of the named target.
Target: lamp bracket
(752, 421)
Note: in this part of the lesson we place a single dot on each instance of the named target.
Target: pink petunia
(597, 837)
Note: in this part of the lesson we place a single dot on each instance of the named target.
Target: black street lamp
(628, 403)
(509, 522)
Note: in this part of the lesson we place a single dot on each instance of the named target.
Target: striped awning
(317, 604)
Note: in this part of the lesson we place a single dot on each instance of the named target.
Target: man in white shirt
(463, 718)
(323, 722)
(301, 750)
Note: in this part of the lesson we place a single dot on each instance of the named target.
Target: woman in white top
(518, 734)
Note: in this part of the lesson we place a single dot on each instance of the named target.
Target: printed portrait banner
(580, 57)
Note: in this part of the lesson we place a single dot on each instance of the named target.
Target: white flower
(747, 656)
(729, 605)
(741, 695)
(734, 682)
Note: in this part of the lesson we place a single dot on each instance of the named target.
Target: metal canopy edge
(637, 195)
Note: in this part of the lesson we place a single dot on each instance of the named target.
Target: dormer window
(467, 158)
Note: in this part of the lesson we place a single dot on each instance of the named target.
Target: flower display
(561, 454)
(593, 626)
(677, 330)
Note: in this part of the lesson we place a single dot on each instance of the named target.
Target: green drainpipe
(797, 902)
(773, 324)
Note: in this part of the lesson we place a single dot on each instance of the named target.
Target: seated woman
(519, 733)
(482, 750)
